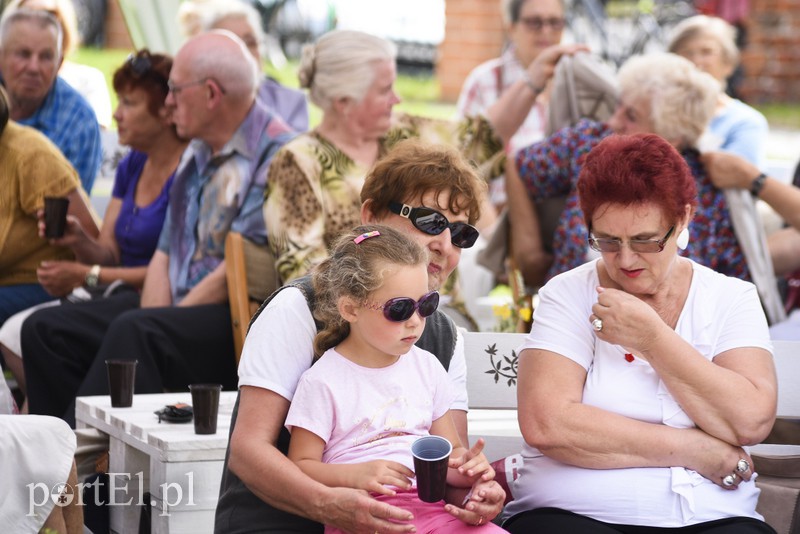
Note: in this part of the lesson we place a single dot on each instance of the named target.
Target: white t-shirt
(91, 84)
(37, 455)
(720, 313)
(280, 347)
(366, 414)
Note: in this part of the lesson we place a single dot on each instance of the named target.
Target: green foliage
(106, 60)
(784, 116)
(420, 93)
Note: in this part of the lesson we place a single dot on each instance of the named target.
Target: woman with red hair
(663, 94)
(645, 373)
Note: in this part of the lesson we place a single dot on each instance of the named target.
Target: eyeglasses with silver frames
(646, 246)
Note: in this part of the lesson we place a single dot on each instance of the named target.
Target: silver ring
(597, 324)
(729, 480)
(743, 466)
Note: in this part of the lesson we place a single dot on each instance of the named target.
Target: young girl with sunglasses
(372, 392)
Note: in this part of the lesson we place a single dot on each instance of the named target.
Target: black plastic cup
(205, 404)
(55, 216)
(431, 456)
(121, 377)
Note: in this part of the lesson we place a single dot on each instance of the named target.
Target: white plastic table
(180, 469)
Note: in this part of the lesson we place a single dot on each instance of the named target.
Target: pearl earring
(683, 239)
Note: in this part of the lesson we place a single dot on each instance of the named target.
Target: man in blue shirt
(30, 56)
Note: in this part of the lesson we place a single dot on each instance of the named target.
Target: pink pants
(429, 517)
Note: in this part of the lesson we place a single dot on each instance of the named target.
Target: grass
(106, 60)
(784, 116)
(420, 94)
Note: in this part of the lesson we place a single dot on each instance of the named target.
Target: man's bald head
(223, 57)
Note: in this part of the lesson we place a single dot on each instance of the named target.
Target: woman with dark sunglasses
(133, 218)
(356, 413)
(260, 486)
(314, 180)
(645, 373)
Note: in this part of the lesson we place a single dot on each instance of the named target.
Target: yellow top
(31, 168)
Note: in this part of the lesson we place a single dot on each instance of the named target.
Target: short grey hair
(342, 64)
(703, 25)
(198, 16)
(42, 18)
(683, 99)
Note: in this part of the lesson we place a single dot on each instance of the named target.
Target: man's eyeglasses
(139, 63)
(176, 88)
(401, 309)
(645, 246)
(431, 222)
(537, 23)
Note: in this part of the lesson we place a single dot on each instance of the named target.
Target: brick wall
(771, 58)
(117, 35)
(473, 34)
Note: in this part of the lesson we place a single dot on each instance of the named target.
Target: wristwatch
(757, 184)
(93, 276)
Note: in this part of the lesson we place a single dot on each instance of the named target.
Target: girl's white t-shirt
(364, 413)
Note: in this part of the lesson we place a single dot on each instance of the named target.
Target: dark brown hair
(152, 80)
(413, 168)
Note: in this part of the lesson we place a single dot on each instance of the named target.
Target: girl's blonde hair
(355, 270)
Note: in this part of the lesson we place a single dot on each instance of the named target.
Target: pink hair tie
(366, 235)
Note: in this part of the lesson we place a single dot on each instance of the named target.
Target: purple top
(288, 104)
(137, 228)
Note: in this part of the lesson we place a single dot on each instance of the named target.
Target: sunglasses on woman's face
(431, 222)
(401, 309)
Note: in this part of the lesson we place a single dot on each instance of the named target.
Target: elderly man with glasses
(180, 331)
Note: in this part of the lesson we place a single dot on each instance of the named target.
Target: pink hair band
(366, 235)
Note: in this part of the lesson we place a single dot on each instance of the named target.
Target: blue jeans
(20, 297)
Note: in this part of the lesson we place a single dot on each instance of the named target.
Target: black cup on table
(205, 405)
(55, 216)
(431, 457)
(121, 377)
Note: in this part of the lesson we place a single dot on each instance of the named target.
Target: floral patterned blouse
(550, 169)
(314, 189)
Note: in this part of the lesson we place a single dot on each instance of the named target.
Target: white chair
(492, 389)
(151, 24)
(777, 460)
